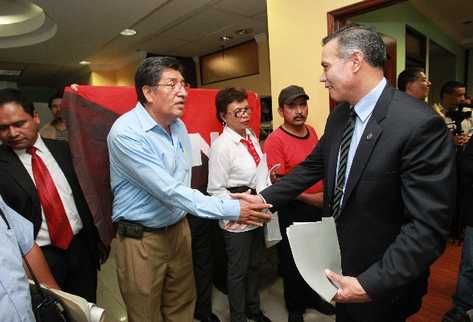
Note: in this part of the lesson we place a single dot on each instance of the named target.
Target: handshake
(253, 209)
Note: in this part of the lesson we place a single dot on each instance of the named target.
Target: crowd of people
(385, 169)
(455, 109)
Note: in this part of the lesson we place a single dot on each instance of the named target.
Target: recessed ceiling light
(10, 72)
(243, 31)
(84, 62)
(226, 38)
(128, 32)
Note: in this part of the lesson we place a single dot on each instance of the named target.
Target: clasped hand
(349, 289)
(252, 209)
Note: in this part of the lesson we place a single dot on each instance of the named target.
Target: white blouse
(231, 165)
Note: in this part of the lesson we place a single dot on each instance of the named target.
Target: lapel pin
(369, 136)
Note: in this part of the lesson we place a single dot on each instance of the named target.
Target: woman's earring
(224, 123)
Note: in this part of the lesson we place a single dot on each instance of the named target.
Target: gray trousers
(244, 251)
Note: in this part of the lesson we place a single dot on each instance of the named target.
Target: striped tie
(342, 163)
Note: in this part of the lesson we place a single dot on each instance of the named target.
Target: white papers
(272, 234)
(77, 308)
(262, 175)
(315, 247)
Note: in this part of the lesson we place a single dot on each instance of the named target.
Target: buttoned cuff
(231, 209)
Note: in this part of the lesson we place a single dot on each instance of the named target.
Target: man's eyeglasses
(175, 85)
(239, 112)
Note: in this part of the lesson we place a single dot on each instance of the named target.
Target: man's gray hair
(353, 38)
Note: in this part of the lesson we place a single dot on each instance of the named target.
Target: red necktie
(251, 149)
(60, 230)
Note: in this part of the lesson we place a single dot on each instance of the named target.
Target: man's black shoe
(324, 307)
(259, 318)
(456, 315)
(211, 318)
(295, 316)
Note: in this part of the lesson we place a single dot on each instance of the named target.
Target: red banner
(90, 112)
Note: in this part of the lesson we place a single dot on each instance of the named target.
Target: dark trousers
(298, 295)
(368, 312)
(244, 251)
(74, 269)
(464, 291)
(202, 254)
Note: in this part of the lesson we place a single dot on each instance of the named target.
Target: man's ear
(408, 87)
(280, 112)
(36, 118)
(148, 93)
(357, 59)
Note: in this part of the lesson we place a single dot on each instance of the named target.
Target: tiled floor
(108, 297)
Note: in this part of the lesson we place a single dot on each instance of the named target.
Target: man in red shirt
(287, 146)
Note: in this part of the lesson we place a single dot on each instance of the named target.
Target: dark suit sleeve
(298, 180)
(428, 185)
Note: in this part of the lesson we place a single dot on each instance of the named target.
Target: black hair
(449, 87)
(227, 96)
(150, 71)
(13, 95)
(52, 98)
(408, 75)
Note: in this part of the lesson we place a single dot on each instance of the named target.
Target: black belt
(241, 189)
(127, 228)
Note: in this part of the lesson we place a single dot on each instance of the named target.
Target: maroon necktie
(60, 230)
(251, 149)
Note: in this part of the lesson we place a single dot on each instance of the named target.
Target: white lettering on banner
(199, 145)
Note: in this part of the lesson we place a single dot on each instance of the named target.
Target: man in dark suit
(38, 181)
(389, 173)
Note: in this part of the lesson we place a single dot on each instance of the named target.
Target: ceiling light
(226, 38)
(84, 62)
(10, 72)
(128, 32)
(23, 23)
(243, 31)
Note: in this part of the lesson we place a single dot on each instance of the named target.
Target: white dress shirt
(231, 165)
(62, 186)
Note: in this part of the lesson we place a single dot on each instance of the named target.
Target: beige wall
(295, 34)
(259, 83)
(123, 76)
(100, 78)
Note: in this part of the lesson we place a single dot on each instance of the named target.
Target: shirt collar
(366, 105)
(39, 145)
(147, 122)
(234, 136)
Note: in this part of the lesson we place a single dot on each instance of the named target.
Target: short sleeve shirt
(288, 151)
(15, 300)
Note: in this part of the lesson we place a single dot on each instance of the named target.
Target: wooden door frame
(338, 17)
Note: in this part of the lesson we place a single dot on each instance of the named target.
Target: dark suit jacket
(398, 200)
(19, 192)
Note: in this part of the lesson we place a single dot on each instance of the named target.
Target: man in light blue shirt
(16, 238)
(150, 169)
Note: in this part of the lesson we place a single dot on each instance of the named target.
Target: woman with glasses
(233, 159)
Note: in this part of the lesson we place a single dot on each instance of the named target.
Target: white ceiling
(89, 30)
